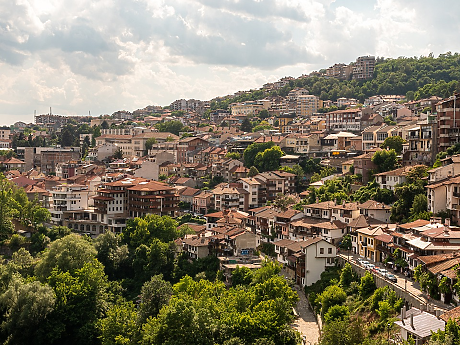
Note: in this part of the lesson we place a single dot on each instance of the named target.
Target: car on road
(360, 261)
(369, 266)
(391, 277)
(382, 272)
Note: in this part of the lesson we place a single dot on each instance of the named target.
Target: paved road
(306, 322)
(407, 284)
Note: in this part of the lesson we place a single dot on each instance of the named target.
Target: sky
(100, 56)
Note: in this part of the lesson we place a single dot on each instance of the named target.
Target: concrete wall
(411, 299)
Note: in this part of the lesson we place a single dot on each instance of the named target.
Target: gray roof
(424, 324)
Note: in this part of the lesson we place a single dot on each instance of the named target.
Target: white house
(376, 210)
(319, 254)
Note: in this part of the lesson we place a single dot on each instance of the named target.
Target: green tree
(346, 276)
(283, 202)
(81, 300)
(144, 230)
(149, 143)
(385, 160)
(241, 276)
(263, 114)
(233, 155)
(343, 332)
(6, 210)
(419, 209)
(67, 254)
(269, 159)
(246, 125)
(367, 285)
(384, 310)
(261, 126)
(113, 254)
(332, 295)
(25, 308)
(252, 150)
(155, 294)
(118, 153)
(395, 143)
(336, 312)
(253, 171)
(174, 127)
(119, 327)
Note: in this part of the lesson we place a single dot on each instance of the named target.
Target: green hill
(415, 77)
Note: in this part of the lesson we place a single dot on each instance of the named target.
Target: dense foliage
(353, 309)
(415, 77)
(76, 290)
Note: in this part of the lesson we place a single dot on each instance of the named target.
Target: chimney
(403, 314)
(412, 321)
(438, 313)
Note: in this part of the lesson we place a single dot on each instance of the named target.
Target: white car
(369, 266)
(391, 277)
(362, 262)
(382, 272)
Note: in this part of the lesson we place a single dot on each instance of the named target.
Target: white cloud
(107, 55)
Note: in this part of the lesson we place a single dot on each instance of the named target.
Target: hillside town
(304, 180)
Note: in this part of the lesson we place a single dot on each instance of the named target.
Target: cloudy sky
(108, 55)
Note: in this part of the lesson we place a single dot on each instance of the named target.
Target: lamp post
(388, 325)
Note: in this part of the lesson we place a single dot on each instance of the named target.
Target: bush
(336, 312)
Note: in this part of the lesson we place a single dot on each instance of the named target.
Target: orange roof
(151, 186)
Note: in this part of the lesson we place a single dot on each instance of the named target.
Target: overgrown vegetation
(353, 309)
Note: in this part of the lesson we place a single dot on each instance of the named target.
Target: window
(321, 250)
(329, 250)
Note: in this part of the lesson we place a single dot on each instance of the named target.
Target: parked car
(369, 266)
(360, 261)
(391, 277)
(363, 262)
(382, 272)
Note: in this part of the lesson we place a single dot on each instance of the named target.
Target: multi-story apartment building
(364, 68)
(374, 136)
(68, 198)
(252, 186)
(50, 157)
(227, 197)
(307, 105)
(448, 122)
(248, 108)
(187, 147)
(421, 138)
(152, 197)
(188, 105)
(344, 120)
(339, 71)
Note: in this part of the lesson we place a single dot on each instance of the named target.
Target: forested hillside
(133, 289)
(415, 77)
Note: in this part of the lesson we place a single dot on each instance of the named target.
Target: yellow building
(307, 105)
(286, 119)
(366, 242)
